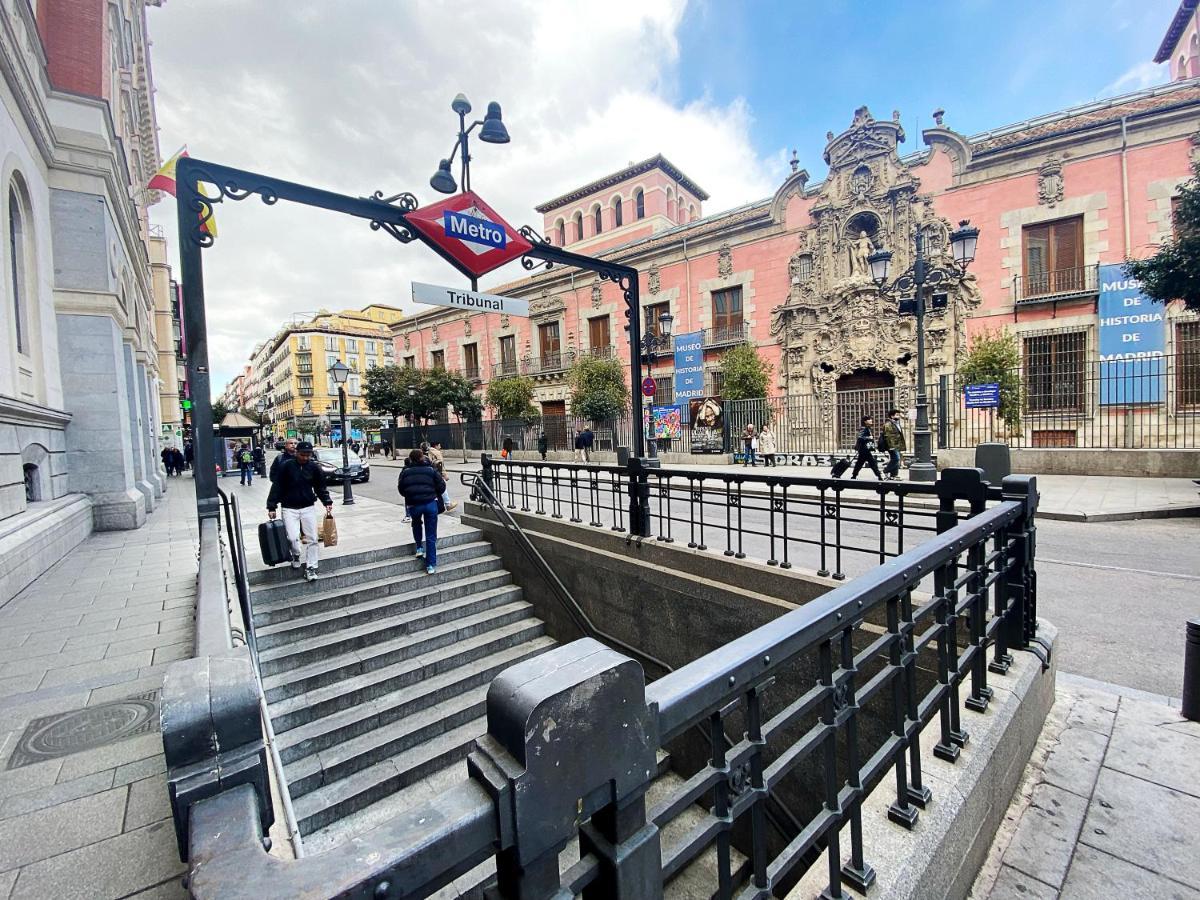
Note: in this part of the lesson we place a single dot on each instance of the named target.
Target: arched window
(617, 220)
(17, 256)
(691, 212)
(560, 231)
(671, 213)
(639, 204)
(579, 226)
(598, 215)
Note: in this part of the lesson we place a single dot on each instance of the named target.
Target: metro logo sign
(468, 233)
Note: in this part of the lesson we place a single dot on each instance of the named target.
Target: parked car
(330, 461)
(279, 445)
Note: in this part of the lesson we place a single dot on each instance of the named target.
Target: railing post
(1022, 575)
(489, 472)
(569, 739)
(639, 499)
(959, 484)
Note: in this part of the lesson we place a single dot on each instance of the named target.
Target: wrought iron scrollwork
(528, 263)
(228, 188)
(740, 780)
(405, 202)
(891, 517)
(841, 697)
(777, 504)
(829, 511)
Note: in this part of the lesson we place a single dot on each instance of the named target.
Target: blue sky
(804, 67)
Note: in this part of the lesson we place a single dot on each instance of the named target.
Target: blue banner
(1133, 341)
(689, 366)
(982, 396)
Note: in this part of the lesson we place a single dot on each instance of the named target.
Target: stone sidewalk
(1109, 805)
(83, 798)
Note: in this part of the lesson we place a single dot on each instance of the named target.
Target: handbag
(328, 534)
(441, 502)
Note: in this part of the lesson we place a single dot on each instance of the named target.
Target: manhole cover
(82, 729)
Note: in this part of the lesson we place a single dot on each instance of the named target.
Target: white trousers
(303, 520)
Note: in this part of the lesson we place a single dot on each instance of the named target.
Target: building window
(1053, 254)
(716, 383)
(579, 226)
(1054, 371)
(599, 337)
(560, 230)
(471, 360)
(370, 346)
(727, 322)
(354, 405)
(617, 220)
(351, 345)
(1187, 364)
(598, 219)
(652, 314)
(330, 359)
(17, 256)
(664, 392)
(305, 386)
(302, 342)
(353, 386)
(639, 204)
(371, 363)
(352, 362)
(548, 342)
(410, 362)
(508, 355)
(438, 359)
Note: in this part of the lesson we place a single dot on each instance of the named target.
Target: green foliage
(512, 398)
(747, 375)
(385, 390)
(253, 415)
(995, 357)
(1173, 273)
(598, 390)
(440, 388)
(219, 411)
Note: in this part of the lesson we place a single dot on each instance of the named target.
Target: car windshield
(333, 456)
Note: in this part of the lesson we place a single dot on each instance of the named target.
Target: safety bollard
(1191, 672)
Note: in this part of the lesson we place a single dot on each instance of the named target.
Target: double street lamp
(652, 343)
(910, 288)
(491, 132)
(340, 372)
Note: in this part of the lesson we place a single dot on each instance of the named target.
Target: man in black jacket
(422, 488)
(296, 485)
(864, 448)
(289, 451)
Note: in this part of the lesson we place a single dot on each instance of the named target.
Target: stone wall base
(34, 540)
(1072, 461)
(119, 512)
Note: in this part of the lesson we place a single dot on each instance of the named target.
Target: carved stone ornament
(597, 295)
(547, 307)
(435, 334)
(1050, 182)
(724, 261)
(653, 280)
(408, 342)
(467, 326)
(504, 320)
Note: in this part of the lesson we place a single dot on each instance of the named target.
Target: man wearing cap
(297, 484)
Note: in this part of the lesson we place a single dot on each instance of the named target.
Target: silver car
(330, 461)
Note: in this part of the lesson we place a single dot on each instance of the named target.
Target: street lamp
(412, 412)
(261, 406)
(492, 132)
(911, 283)
(651, 344)
(340, 372)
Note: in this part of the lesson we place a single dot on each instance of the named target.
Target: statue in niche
(860, 250)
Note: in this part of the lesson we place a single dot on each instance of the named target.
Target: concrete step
(385, 599)
(329, 671)
(271, 575)
(338, 728)
(362, 687)
(297, 598)
(323, 646)
(699, 877)
(331, 802)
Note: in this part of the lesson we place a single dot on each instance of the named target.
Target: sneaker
(429, 570)
(420, 554)
(451, 505)
(310, 574)
(295, 560)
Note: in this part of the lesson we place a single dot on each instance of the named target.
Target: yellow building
(298, 388)
(171, 374)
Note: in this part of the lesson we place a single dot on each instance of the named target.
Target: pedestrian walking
(168, 460)
(422, 488)
(245, 461)
(178, 460)
(189, 454)
(289, 451)
(438, 458)
(766, 445)
(542, 444)
(749, 446)
(588, 440)
(260, 460)
(298, 483)
(892, 440)
(580, 453)
(864, 447)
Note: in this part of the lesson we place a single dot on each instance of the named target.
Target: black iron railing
(573, 737)
(1058, 284)
(505, 369)
(725, 335)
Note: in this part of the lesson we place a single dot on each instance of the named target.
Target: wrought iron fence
(811, 424)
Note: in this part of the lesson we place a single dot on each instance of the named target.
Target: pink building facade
(1054, 198)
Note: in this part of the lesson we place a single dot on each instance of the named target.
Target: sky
(354, 96)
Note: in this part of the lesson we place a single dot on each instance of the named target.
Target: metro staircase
(376, 680)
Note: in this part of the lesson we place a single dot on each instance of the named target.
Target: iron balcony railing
(304, 370)
(1058, 284)
(605, 352)
(505, 369)
(471, 373)
(726, 335)
(548, 363)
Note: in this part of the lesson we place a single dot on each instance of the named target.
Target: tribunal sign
(472, 301)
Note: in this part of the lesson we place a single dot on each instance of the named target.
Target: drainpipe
(687, 272)
(1125, 184)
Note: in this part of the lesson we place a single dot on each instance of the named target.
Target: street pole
(922, 467)
(347, 488)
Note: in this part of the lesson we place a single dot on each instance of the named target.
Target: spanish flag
(164, 180)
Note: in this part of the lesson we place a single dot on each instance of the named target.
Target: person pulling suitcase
(864, 447)
(299, 483)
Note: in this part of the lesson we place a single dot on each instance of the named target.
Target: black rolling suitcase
(273, 542)
(840, 467)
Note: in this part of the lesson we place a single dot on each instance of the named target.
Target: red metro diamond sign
(468, 233)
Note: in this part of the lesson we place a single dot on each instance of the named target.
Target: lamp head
(879, 262)
(461, 105)
(340, 372)
(493, 130)
(412, 392)
(963, 242)
(665, 321)
(442, 181)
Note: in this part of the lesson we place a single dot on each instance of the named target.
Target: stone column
(99, 448)
(136, 436)
(149, 431)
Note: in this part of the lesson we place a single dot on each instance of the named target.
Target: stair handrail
(237, 554)
(480, 490)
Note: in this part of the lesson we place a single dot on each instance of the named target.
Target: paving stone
(1046, 835)
(48, 832)
(124, 689)
(116, 867)
(105, 637)
(1013, 885)
(1094, 874)
(1145, 824)
(171, 889)
(1094, 711)
(172, 653)
(1140, 745)
(53, 661)
(148, 802)
(27, 778)
(16, 716)
(71, 674)
(142, 768)
(110, 756)
(1075, 761)
(7, 880)
(20, 684)
(25, 651)
(28, 801)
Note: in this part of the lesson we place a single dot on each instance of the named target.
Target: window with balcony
(305, 386)
(1187, 365)
(303, 342)
(651, 315)
(410, 362)
(549, 347)
(508, 355)
(437, 359)
(599, 337)
(330, 359)
(727, 321)
(471, 361)
(352, 362)
(1053, 256)
(1055, 367)
(370, 346)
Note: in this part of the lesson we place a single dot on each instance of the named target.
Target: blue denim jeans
(893, 466)
(424, 526)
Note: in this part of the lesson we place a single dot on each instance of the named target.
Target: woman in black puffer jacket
(422, 488)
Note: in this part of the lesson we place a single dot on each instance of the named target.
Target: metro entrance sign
(468, 233)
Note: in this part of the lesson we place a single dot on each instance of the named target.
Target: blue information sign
(982, 396)
(1133, 341)
(471, 228)
(689, 366)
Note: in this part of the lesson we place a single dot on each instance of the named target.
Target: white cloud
(354, 97)
(1137, 77)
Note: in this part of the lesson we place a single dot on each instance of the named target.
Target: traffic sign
(469, 232)
(648, 386)
(473, 301)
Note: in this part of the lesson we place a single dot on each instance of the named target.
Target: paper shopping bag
(328, 533)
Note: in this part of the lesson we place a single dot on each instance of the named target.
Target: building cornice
(29, 88)
(1175, 30)
(655, 162)
(21, 412)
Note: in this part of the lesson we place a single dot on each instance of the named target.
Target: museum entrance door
(860, 393)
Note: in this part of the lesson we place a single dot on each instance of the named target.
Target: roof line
(656, 161)
(1175, 30)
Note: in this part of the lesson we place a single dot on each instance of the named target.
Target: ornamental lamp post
(261, 406)
(340, 372)
(412, 412)
(652, 343)
(909, 288)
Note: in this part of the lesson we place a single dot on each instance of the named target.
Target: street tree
(993, 357)
(512, 398)
(386, 391)
(219, 411)
(746, 374)
(452, 390)
(598, 390)
(1173, 273)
